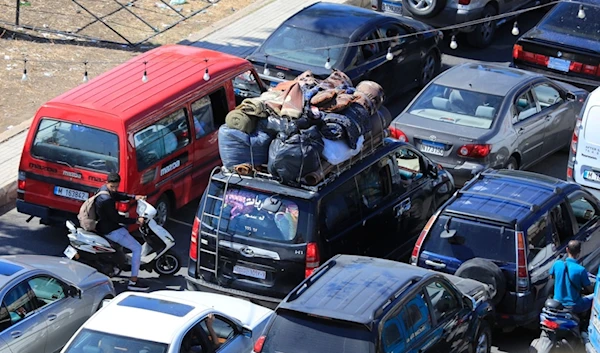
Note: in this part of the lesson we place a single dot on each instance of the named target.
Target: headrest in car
(440, 103)
(485, 111)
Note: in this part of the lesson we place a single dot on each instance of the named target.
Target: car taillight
(589, 69)
(398, 134)
(312, 258)
(417, 249)
(194, 239)
(517, 49)
(519, 53)
(21, 181)
(258, 345)
(575, 137)
(575, 66)
(570, 172)
(522, 273)
(475, 151)
(123, 206)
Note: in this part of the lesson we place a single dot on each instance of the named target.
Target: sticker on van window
(173, 164)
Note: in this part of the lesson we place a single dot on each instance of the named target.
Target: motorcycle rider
(569, 280)
(109, 225)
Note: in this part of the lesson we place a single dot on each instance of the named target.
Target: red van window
(162, 138)
(76, 146)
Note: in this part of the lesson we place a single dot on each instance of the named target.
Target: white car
(171, 322)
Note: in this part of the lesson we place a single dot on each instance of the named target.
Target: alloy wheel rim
(486, 29)
(428, 69)
(421, 4)
(482, 344)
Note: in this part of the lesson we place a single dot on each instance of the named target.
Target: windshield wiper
(65, 163)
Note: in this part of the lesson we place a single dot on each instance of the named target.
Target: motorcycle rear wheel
(168, 264)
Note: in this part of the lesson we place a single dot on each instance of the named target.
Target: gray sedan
(475, 116)
(45, 300)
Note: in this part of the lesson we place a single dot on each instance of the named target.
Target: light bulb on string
(85, 73)
(389, 55)
(515, 29)
(145, 75)
(328, 62)
(266, 70)
(206, 76)
(581, 12)
(453, 43)
(24, 77)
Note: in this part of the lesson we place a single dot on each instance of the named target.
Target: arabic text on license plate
(591, 175)
(241, 270)
(428, 148)
(70, 193)
(396, 8)
(70, 252)
(559, 64)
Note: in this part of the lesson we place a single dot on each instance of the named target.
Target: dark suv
(272, 236)
(507, 228)
(356, 304)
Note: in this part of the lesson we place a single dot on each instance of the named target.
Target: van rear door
(586, 171)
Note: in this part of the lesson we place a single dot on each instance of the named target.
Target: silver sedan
(475, 116)
(45, 300)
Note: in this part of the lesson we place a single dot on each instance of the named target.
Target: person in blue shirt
(570, 278)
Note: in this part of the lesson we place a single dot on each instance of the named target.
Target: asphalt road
(19, 237)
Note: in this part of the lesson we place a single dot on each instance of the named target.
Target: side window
(547, 95)
(20, 302)
(46, 289)
(562, 230)
(220, 107)
(410, 165)
(341, 206)
(374, 184)
(525, 106)
(442, 299)
(537, 239)
(391, 31)
(245, 85)
(160, 139)
(195, 340)
(406, 326)
(218, 330)
(583, 209)
(5, 321)
(372, 49)
(202, 112)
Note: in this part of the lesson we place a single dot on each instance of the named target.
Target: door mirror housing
(432, 170)
(571, 96)
(246, 332)
(74, 292)
(468, 303)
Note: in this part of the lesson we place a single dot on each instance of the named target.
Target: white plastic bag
(336, 152)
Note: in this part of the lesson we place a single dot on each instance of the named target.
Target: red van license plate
(71, 194)
(241, 270)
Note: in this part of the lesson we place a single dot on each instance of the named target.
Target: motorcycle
(560, 330)
(110, 259)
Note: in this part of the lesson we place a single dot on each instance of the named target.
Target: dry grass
(55, 62)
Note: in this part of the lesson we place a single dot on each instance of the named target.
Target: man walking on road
(110, 225)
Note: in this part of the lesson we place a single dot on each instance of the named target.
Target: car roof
(334, 19)
(172, 71)
(11, 269)
(477, 77)
(507, 196)
(352, 288)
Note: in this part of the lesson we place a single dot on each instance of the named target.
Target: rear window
(472, 239)
(77, 146)
(563, 19)
(302, 334)
(254, 214)
(95, 341)
(592, 126)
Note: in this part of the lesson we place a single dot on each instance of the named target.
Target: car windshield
(563, 19)
(77, 146)
(301, 334)
(471, 239)
(457, 106)
(286, 42)
(254, 214)
(88, 341)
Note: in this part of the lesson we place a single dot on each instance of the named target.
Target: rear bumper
(578, 81)
(514, 320)
(46, 215)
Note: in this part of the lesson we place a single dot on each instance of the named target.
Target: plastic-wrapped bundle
(237, 147)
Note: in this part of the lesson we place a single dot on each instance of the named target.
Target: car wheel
(425, 8)
(163, 210)
(483, 340)
(512, 164)
(168, 264)
(429, 69)
(483, 34)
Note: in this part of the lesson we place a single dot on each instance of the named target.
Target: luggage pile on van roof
(301, 131)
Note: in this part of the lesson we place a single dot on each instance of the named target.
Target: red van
(159, 133)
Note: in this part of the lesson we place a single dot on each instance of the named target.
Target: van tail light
(475, 151)
(570, 172)
(398, 134)
(194, 239)
(417, 249)
(123, 206)
(21, 183)
(575, 137)
(312, 258)
(258, 345)
(522, 273)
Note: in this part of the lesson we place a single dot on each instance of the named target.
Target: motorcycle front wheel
(168, 264)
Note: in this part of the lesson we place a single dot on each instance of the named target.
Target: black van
(272, 236)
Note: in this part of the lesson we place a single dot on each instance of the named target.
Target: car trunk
(587, 169)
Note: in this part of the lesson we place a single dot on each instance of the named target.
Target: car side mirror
(469, 303)
(74, 292)
(432, 170)
(571, 97)
(246, 332)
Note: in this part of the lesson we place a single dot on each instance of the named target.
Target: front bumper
(448, 17)
(578, 81)
(198, 284)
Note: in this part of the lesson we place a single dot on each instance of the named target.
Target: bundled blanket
(237, 119)
(340, 127)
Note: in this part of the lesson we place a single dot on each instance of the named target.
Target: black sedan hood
(563, 40)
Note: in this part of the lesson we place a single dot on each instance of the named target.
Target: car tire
(512, 163)
(483, 339)
(483, 34)
(487, 272)
(168, 264)
(163, 210)
(425, 8)
(430, 66)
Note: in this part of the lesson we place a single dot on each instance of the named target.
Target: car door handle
(51, 317)
(435, 264)
(520, 131)
(16, 334)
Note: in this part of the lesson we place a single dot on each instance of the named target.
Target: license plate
(70, 193)
(591, 175)
(559, 64)
(241, 270)
(432, 148)
(395, 8)
(273, 83)
(70, 252)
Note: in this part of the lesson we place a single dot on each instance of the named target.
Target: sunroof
(9, 269)
(157, 305)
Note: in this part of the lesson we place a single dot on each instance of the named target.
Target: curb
(8, 191)
(8, 134)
